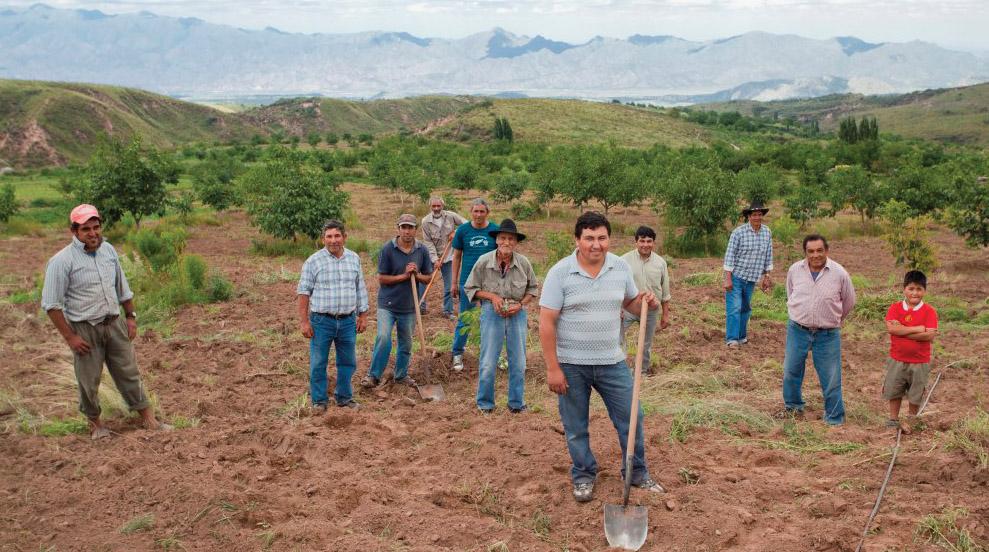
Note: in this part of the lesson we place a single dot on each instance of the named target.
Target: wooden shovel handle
(634, 418)
(433, 278)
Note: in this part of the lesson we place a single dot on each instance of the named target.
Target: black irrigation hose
(892, 462)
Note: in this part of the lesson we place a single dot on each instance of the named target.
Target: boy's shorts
(903, 378)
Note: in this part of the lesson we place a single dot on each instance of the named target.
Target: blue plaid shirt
(749, 254)
(334, 286)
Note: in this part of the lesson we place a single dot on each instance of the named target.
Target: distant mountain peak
(385, 38)
(649, 40)
(851, 45)
(500, 46)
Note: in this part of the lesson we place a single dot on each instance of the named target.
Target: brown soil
(400, 474)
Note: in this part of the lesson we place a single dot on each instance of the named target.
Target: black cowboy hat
(756, 206)
(507, 227)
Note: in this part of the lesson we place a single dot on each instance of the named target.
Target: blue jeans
(614, 383)
(446, 271)
(496, 332)
(405, 324)
(343, 333)
(825, 345)
(460, 340)
(738, 308)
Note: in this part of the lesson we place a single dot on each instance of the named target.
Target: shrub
(907, 237)
(8, 202)
(160, 247)
(559, 245)
(524, 210)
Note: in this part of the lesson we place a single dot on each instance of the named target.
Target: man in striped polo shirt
(83, 292)
(819, 296)
(580, 332)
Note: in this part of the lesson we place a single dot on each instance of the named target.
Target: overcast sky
(957, 24)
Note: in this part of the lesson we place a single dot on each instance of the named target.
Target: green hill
(952, 115)
(44, 123)
(572, 122)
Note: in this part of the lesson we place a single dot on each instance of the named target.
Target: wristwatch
(131, 315)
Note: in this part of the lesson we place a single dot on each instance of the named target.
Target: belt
(336, 316)
(809, 329)
(109, 319)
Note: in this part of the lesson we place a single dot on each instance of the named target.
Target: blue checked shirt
(334, 286)
(749, 254)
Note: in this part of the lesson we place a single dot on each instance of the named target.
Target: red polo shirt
(908, 350)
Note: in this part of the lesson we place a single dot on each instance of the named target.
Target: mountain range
(188, 57)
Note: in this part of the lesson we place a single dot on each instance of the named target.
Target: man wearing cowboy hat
(504, 282)
(84, 289)
(748, 259)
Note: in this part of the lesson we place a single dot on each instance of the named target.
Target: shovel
(626, 526)
(435, 272)
(426, 392)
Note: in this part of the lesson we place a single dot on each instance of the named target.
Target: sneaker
(789, 414)
(732, 344)
(583, 492)
(743, 341)
(485, 411)
(318, 409)
(518, 410)
(370, 382)
(458, 363)
(352, 404)
(406, 381)
(649, 485)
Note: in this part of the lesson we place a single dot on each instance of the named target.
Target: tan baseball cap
(407, 219)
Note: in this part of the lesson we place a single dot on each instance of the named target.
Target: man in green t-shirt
(470, 241)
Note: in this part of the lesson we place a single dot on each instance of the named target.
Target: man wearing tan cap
(83, 292)
(400, 260)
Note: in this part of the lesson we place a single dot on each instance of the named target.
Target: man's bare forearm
(61, 324)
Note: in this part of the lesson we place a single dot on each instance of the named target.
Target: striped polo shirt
(86, 287)
(588, 331)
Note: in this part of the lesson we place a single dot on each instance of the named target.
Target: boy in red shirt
(912, 325)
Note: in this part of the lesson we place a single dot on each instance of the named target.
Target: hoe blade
(626, 527)
(432, 392)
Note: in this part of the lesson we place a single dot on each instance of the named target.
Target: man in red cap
(84, 289)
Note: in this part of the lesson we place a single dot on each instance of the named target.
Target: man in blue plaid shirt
(333, 309)
(748, 259)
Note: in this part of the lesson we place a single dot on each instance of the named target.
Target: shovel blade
(626, 526)
(432, 392)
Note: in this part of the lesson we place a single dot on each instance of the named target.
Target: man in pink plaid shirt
(819, 296)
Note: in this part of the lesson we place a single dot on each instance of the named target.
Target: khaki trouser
(108, 343)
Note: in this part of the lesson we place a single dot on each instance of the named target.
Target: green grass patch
(142, 522)
(701, 279)
(971, 436)
(183, 422)
(300, 249)
(723, 415)
(942, 529)
(874, 306)
(770, 306)
(275, 276)
(802, 439)
(62, 427)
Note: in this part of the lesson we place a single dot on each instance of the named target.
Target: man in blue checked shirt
(748, 259)
(333, 309)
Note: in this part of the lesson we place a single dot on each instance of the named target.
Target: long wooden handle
(634, 419)
(415, 295)
(433, 278)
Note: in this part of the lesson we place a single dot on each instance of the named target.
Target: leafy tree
(127, 178)
(803, 203)
(332, 138)
(969, 216)
(848, 131)
(907, 237)
(758, 183)
(503, 129)
(365, 138)
(183, 205)
(510, 185)
(852, 186)
(919, 188)
(286, 197)
(8, 202)
(212, 180)
(701, 200)
(314, 139)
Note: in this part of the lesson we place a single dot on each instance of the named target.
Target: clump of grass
(170, 542)
(805, 440)
(267, 539)
(361, 245)
(942, 530)
(771, 306)
(294, 408)
(689, 476)
(719, 414)
(182, 422)
(62, 427)
(873, 306)
(700, 279)
(484, 498)
(283, 248)
(142, 522)
(971, 436)
(540, 523)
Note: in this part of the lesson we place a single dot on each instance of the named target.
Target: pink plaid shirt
(821, 303)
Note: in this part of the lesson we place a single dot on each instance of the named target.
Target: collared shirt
(903, 348)
(821, 303)
(86, 287)
(651, 274)
(392, 261)
(588, 331)
(515, 283)
(750, 253)
(335, 285)
(436, 232)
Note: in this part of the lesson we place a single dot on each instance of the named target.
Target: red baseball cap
(83, 213)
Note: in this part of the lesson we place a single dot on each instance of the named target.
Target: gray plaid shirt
(85, 287)
(334, 286)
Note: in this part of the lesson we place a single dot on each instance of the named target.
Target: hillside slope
(954, 115)
(44, 123)
(572, 122)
